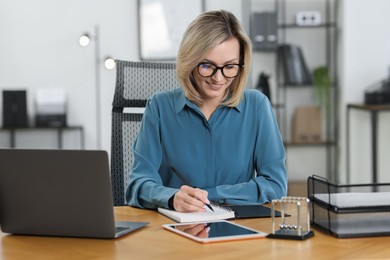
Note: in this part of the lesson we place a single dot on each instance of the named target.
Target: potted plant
(323, 89)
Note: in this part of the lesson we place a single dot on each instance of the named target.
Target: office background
(39, 48)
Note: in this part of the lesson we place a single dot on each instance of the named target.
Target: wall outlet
(308, 18)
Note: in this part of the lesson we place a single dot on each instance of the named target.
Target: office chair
(135, 83)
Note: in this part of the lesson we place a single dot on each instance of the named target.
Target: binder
(264, 31)
(294, 66)
(14, 108)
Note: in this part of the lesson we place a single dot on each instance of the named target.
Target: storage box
(307, 125)
(50, 108)
(264, 31)
(344, 211)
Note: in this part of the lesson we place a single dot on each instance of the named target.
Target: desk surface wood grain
(153, 242)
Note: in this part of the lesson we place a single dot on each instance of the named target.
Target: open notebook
(219, 213)
(222, 212)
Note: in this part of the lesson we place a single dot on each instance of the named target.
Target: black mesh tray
(350, 210)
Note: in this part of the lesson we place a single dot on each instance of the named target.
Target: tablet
(214, 231)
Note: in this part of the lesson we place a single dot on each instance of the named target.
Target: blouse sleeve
(145, 188)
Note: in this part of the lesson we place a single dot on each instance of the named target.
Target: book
(294, 65)
(219, 213)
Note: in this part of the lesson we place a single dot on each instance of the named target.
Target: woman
(222, 137)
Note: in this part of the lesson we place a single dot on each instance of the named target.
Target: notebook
(221, 212)
(58, 193)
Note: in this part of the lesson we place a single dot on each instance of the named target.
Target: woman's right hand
(189, 199)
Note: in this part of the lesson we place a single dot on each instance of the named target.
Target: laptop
(58, 193)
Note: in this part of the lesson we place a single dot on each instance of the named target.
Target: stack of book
(294, 66)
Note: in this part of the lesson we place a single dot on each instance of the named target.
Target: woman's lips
(215, 86)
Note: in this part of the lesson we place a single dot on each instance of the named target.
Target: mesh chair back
(135, 83)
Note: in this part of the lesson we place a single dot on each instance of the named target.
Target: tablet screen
(214, 231)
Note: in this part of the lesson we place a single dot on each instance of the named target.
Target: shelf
(295, 26)
(59, 130)
(319, 44)
(333, 84)
(42, 128)
(369, 107)
(296, 86)
(297, 144)
(278, 106)
(373, 111)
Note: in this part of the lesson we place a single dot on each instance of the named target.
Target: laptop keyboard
(119, 229)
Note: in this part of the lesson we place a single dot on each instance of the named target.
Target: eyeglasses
(207, 70)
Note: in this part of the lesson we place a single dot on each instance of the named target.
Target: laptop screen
(56, 193)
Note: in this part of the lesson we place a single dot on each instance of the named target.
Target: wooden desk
(153, 242)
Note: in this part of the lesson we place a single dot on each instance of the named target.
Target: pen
(186, 183)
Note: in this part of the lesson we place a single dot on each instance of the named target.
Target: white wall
(39, 49)
(364, 61)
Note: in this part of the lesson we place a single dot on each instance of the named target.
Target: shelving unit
(59, 131)
(319, 45)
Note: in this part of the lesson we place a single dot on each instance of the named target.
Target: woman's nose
(218, 76)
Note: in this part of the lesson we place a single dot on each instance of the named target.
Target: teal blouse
(237, 155)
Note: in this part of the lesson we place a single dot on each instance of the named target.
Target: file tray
(359, 210)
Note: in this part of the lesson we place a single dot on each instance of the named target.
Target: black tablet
(214, 231)
(252, 211)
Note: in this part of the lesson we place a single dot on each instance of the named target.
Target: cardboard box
(307, 125)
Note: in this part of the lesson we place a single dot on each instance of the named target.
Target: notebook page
(218, 214)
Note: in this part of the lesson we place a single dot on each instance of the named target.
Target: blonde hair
(205, 33)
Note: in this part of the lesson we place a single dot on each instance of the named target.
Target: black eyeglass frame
(240, 66)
